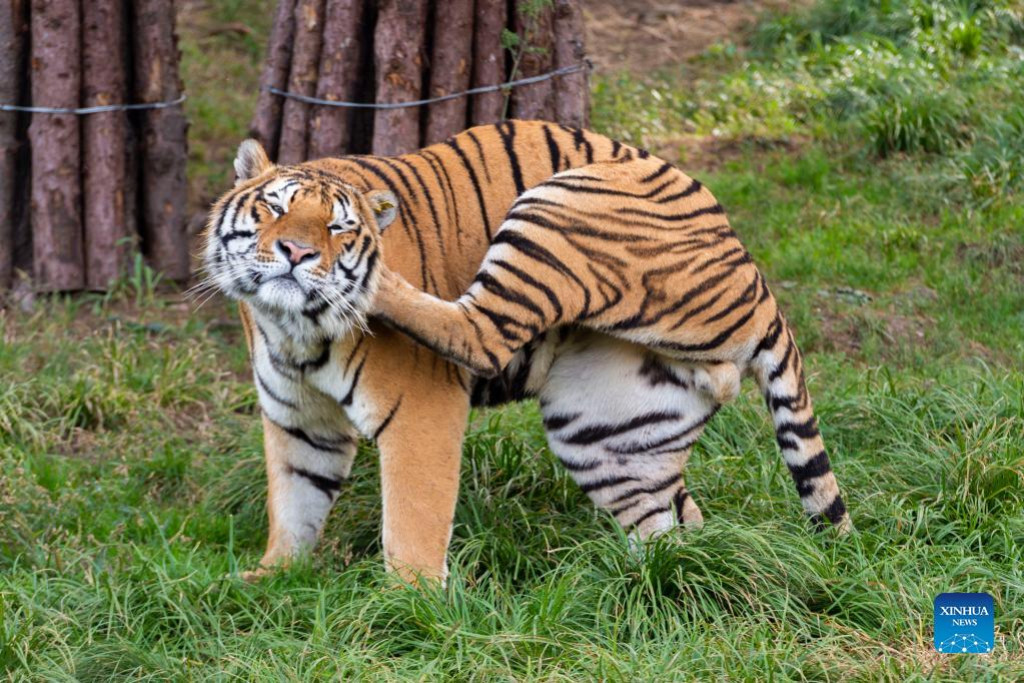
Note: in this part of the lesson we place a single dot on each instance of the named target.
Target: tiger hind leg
(778, 369)
(623, 422)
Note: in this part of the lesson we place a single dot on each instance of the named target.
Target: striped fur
(326, 374)
(637, 251)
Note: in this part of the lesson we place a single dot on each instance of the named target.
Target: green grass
(132, 484)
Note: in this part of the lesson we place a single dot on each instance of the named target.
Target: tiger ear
(384, 205)
(251, 161)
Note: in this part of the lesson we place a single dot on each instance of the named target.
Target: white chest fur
(313, 388)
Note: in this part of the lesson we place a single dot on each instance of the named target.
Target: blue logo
(964, 622)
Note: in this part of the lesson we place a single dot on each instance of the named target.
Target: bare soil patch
(639, 36)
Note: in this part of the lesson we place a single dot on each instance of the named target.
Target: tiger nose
(295, 252)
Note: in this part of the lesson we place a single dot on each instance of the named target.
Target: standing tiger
(301, 248)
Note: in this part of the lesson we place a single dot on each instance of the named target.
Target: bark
(309, 20)
(488, 61)
(331, 127)
(163, 138)
(536, 30)
(107, 228)
(398, 53)
(12, 40)
(572, 92)
(266, 121)
(449, 68)
(56, 192)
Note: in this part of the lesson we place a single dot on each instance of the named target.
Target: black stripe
(533, 282)
(783, 364)
(347, 399)
(678, 500)
(715, 209)
(329, 485)
(495, 287)
(693, 188)
(271, 393)
(834, 513)
(647, 515)
(556, 422)
(815, 466)
(637, 447)
(594, 433)
(553, 152)
(604, 483)
(662, 170)
(318, 443)
(585, 466)
(480, 153)
(768, 341)
(656, 487)
(387, 420)
(453, 143)
(507, 130)
(804, 430)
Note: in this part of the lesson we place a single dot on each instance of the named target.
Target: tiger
(304, 250)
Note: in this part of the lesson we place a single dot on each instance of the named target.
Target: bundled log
(58, 257)
(88, 182)
(266, 121)
(309, 17)
(449, 68)
(488, 60)
(340, 64)
(108, 232)
(12, 42)
(398, 54)
(535, 26)
(163, 137)
(395, 51)
(571, 99)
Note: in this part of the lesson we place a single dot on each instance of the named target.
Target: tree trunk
(339, 78)
(309, 19)
(398, 52)
(266, 121)
(488, 60)
(449, 68)
(107, 229)
(572, 93)
(12, 40)
(163, 138)
(56, 192)
(536, 101)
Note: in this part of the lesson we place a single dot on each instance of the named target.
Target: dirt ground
(641, 36)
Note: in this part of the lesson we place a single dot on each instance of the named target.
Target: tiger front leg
(420, 452)
(305, 473)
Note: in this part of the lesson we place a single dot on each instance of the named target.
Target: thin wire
(585, 65)
(82, 111)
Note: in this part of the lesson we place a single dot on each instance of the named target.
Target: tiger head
(297, 244)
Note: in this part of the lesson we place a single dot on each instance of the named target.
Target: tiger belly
(621, 418)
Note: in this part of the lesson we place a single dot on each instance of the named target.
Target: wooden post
(572, 93)
(107, 226)
(266, 120)
(309, 16)
(56, 193)
(536, 101)
(488, 60)
(452, 53)
(163, 138)
(330, 127)
(12, 40)
(398, 53)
